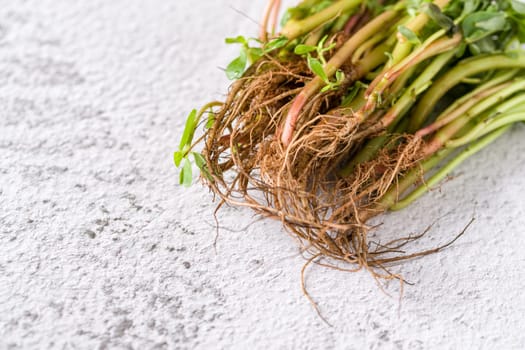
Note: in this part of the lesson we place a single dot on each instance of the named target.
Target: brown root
(299, 184)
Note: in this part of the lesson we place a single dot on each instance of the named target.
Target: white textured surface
(99, 249)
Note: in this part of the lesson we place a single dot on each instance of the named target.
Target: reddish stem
(263, 33)
(340, 57)
(275, 17)
(364, 19)
(292, 116)
(384, 80)
(460, 110)
(352, 23)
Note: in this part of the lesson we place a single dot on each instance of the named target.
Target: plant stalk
(445, 170)
(296, 28)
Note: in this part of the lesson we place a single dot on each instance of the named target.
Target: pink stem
(275, 16)
(263, 33)
(351, 24)
(340, 57)
(292, 116)
(459, 111)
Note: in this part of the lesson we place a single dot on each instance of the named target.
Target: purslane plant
(356, 108)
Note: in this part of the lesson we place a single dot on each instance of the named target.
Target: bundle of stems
(356, 108)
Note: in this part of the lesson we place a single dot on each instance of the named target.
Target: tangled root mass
(300, 184)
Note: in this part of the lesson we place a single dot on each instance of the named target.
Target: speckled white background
(100, 249)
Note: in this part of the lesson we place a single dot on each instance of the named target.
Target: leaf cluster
(487, 26)
(316, 64)
(181, 157)
(250, 54)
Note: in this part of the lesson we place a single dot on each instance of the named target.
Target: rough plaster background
(99, 248)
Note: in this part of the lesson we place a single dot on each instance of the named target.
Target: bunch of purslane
(356, 108)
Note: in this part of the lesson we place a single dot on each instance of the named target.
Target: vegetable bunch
(356, 108)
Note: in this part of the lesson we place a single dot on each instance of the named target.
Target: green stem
(357, 102)
(423, 81)
(416, 24)
(457, 74)
(402, 81)
(432, 47)
(512, 105)
(371, 148)
(314, 36)
(391, 197)
(444, 171)
(340, 57)
(499, 78)
(296, 28)
(450, 130)
(486, 127)
(372, 60)
(357, 40)
(465, 103)
(206, 107)
(340, 23)
(398, 110)
(367, 45)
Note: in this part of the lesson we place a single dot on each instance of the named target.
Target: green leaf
(469, 7)
(327, 87)
(375, 6)
(276, 43)
(210, 121)
(321, 42)
(478, 25)
(201, 164)
(485, 45)
(199, 160)
(518, 6)
(519, 24)
(235, 69)
(442, 20)
(352, 93)
(339, 76)
(350, 97)
(461, 50)
(409, 35)
(493, 24)
(189, 130)
(320, 46)
(237, 40)
(302, 49)
(413, 6)
(186, 177)
(411, 12)
(316, 67)
(254, 53)
(257, 40)
(177, 157)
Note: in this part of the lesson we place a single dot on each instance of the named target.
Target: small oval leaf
(189, 129)
(302, 49)
(186, 177)
(409, 35)
(276, 43)
(316, 67)
(235, 69)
